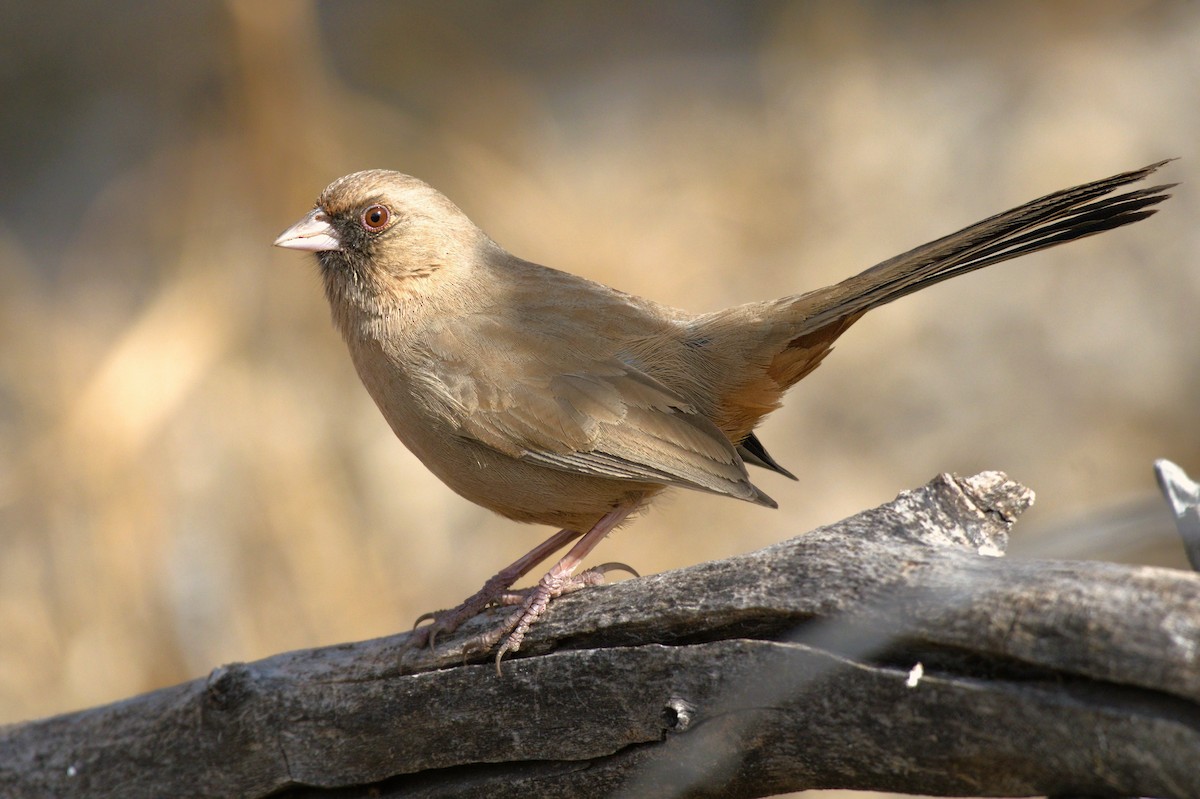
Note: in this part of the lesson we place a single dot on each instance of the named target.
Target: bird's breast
(407, 388)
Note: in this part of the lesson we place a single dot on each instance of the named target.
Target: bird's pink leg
(447, 621)
(559, 580)
(585, 579)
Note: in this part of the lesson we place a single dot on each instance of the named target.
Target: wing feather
(603, 416)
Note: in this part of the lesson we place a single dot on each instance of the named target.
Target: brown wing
(548, 403)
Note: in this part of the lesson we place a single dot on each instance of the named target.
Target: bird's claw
(612, 566)
(536, 600)
(425, 637)
(511, 632)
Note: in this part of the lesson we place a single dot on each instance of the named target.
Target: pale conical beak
(313, 233)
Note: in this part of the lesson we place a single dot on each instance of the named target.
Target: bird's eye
(376, 218)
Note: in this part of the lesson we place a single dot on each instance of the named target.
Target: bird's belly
(514, 488)
(523, 491)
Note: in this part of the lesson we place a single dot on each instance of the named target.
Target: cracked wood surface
(787, 668)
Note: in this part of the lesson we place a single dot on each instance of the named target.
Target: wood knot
(228, 686)
(678, 714)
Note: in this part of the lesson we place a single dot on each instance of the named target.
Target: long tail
(795, 333)
(1046, 222)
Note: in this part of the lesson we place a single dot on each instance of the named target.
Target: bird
(552, 399)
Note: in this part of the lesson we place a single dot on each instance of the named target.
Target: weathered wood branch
(788, 668)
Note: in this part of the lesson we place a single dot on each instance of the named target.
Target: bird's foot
(444, 622)
(533, 604)
(585, 579)
(495, 593)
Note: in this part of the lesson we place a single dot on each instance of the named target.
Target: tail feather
(1046, 222)
(796, 333)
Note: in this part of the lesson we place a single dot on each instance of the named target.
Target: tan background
(190, 473)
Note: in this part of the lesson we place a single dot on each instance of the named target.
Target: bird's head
(375, 232)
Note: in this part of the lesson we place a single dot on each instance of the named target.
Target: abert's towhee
(548, 398)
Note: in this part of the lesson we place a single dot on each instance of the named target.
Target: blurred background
(190, 472)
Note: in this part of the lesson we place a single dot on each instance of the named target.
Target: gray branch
(891, 651)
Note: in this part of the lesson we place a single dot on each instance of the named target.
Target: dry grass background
(190, 473)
